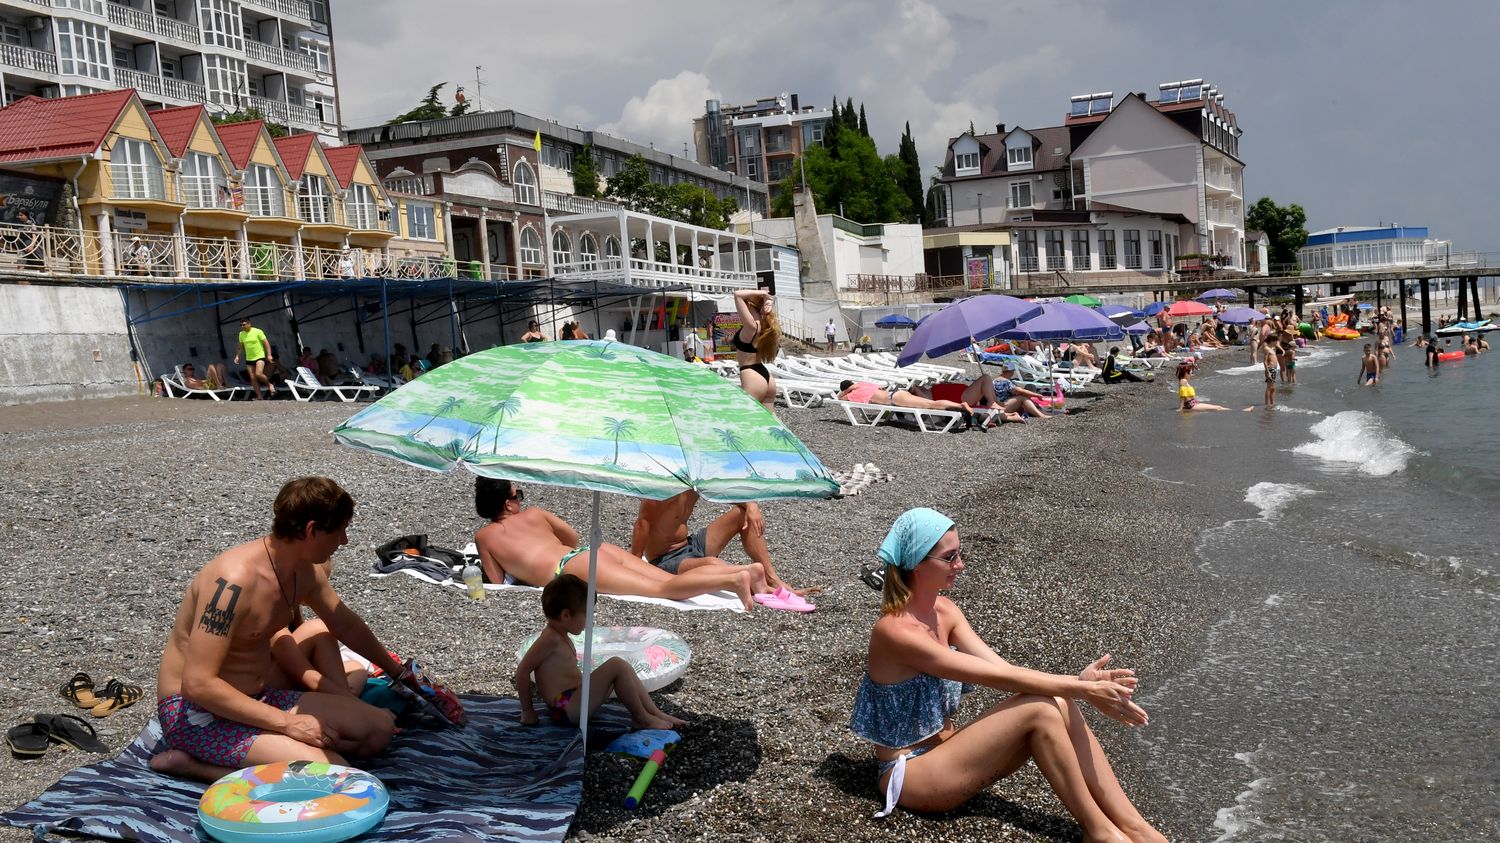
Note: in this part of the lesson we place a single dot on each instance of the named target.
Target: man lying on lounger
(217, 711)
(864, 392)
(979, 393)
(661, 536)
(531, 546)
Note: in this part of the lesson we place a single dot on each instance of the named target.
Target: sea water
(1351, 692)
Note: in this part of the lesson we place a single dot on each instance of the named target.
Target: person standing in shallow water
(1369, 367)
(923, 655)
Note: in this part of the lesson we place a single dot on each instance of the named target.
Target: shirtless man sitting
(216, 378)
(531, 546)
(217, 709)
(661, 536)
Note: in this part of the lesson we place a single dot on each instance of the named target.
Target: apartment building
(114, 189)
(760, 140)
(274, 56)
(1119, 190)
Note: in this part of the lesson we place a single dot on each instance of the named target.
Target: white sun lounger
(928, 421)
(906, 378)
(175, 386)
(888, 360)
(306, 386)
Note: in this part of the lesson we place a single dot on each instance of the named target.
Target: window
(611, 247)
(940, 204)
(82, 49)
(1020, 194)
(360, 208)
(1056, 260)
(559, 156)
(124, 57)
(966, 161)
(318, 51)
(588, 249)
(1132, 248)
(1018, 157)
(1156, 250)
(322, 106)
(92, 6)
(525, 184)
(225, 79)
(1107, 250)
(203, 182)
(12, 34)
(263, 192)
(562, 249)
(135, 170)
(1026, 243)
(170, 69)
(780, 168)
(421, 221)
(314, 202)
(253, 85)
(750, 141)
(220, 22)
(531, 247)
(752, 167)
(1081, 258)
(166, 8)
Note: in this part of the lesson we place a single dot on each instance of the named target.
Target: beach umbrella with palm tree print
(592, 415)
(596, 415)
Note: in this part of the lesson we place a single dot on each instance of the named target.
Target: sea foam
(1359, 440)
(1272, 498)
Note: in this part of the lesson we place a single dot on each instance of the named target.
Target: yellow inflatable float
(1338, 329)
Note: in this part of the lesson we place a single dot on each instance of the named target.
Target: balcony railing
(284, 112)
(639, 270)
(299, 9)
(919, 283)
(122, 15)
(149, 84)
(274, 55)
(1132, 261)
(28, 59)
(1028, 263)
(1056, 262)
(565, 203)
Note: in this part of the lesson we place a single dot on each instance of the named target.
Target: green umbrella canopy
(594, 415)
(1086, 301)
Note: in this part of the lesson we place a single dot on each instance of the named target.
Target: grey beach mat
(491, 780)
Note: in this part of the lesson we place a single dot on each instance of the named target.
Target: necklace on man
(290, 604)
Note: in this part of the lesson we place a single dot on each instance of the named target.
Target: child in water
(554, 662)
(1272, 355)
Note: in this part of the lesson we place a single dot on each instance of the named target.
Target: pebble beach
(111, 506)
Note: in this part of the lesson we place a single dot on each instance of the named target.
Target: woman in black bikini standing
(755, 344)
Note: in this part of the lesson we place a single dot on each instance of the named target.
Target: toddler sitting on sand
(554, 662)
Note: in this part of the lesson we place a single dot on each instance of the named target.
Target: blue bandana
(914, 535)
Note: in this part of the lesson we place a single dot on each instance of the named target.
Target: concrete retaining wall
(59, 343)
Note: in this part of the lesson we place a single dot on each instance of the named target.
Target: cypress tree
(864, 125)
(911, 177)
(831, 134)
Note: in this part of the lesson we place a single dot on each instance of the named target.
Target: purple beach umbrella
(1063, 321)
(1215, 294)
(950, 329)
(1138, 329)
(1241, 315)
(1156, 307)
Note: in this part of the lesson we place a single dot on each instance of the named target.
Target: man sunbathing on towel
(217, 711)
(864, 392)
(661, 536)
(531, 546)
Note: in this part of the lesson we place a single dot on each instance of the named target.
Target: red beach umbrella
(1188, 307)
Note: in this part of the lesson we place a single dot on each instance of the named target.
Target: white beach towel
(714, 600)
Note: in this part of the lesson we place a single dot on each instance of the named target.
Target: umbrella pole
(588, 625)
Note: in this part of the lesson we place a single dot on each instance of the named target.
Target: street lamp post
(979, 206)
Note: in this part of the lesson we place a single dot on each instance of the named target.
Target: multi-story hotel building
(761, 140)
(273, 56)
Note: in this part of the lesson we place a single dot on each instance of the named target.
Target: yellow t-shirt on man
(254, 342)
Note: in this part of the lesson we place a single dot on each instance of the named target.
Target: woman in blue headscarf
(924, 655)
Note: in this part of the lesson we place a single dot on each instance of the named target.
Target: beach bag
(415, 549)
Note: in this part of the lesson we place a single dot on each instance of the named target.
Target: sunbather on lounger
(218, 711)
(215, 377)
(1016, 399)
(531, 546)
(661, 536)
(979, 393)
(864, 392)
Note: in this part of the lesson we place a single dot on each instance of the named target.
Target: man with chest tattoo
(217, 711)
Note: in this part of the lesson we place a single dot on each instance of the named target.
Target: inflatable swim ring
(293, 802)
(1337, 332)
(1451, 355)
(658, 656)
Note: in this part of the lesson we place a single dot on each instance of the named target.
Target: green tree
(850, 176)
(585, 173)
(1285, 227)
(911, 178)
(864, 125)
(835, 126)
(459, 109)
(246, 115)
(684, 202)
(430, 108)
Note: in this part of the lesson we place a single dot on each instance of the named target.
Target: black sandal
(79, 691)
(27, 740)
(873, 577)
(71, 730)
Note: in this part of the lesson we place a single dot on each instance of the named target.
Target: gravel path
(110, 506)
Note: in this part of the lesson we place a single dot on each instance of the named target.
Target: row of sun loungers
(305, 386)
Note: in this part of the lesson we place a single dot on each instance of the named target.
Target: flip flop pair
(784, 599)
(31, 740)
(102, 702)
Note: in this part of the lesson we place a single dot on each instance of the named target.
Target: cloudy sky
(1362, 111)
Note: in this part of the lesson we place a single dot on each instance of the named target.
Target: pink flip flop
(785, 600)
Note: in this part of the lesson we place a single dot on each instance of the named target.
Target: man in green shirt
(257, 352)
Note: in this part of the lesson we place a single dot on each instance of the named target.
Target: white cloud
(664, 116)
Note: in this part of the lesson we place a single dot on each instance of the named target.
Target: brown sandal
(79, 691)
(117, 695)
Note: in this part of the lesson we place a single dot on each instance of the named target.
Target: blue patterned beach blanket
(492, 780)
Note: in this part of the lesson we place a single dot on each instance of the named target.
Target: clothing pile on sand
(863, 474)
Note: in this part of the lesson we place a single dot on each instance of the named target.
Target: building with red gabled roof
(37, 130)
